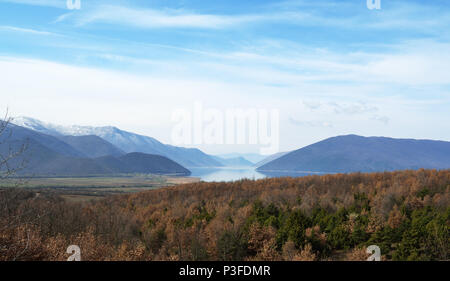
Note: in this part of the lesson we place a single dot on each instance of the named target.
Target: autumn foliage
(330, 217)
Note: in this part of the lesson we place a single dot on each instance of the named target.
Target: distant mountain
(252, 157)
(92, 146)
(270, 158)
(49, 156)
(234, 162)
(137, 162)
(126, 141)
(353, 153)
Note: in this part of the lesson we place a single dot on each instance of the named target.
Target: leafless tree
(11, 163)
(7, 168)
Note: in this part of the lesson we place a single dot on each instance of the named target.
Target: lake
(238, 173)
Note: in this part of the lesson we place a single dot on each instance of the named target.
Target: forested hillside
(331, 217)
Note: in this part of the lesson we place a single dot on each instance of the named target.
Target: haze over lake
(237, 173)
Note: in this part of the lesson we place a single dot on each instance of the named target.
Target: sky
(330, 67)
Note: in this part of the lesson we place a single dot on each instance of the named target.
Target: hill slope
(92, 146)
(353, 153)
(137, 162)
(20, 134)
(270, 158)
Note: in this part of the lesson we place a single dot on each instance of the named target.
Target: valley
(249, 134)
(78, 189)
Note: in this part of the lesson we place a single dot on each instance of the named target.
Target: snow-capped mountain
(58, 130)
(126, 141)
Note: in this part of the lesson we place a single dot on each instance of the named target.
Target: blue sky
(331, 67)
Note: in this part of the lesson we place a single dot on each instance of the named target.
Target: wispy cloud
(383, 119)
(401, 15)
(27, 30)
(352, 108)
(290, 4)
(151, 18)
(312, 105)
(335, 108)
(417, 66)
(46, 3)
(309, 123)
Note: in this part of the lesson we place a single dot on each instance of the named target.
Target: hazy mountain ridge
(270, 158)
(352, 153)
(252, 157)
(234, 162)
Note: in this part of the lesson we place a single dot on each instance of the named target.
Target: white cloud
(143, 103)
(78, 95)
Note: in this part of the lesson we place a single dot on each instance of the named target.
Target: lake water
(238, 173)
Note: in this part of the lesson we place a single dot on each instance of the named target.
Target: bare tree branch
(7, 168)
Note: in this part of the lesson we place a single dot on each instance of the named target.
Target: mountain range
(123, 141)
(352, 153)
(85, 150)
(48, 155)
